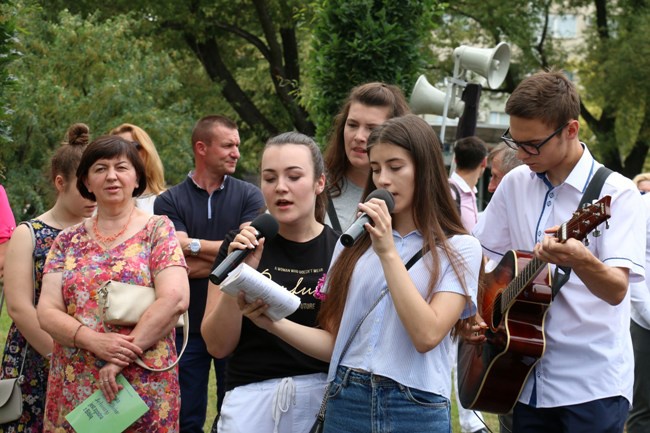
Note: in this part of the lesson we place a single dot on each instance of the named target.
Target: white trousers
(287, 405)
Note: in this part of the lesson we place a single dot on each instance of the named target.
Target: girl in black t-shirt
(270, 385)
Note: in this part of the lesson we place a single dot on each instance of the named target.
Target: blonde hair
(152, 162)
(640, 178)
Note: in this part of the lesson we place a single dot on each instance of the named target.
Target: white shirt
(640, 292)
(588, 347)
(382, 346)
(145, 202)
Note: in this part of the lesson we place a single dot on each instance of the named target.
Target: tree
(251, 50)
(612, 74)
(99, 73)
(8, 54)
(367, 40)
(617, 126)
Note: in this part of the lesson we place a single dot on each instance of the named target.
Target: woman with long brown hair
(346, 160)
(397, 361)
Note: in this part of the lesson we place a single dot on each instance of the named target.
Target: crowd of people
(372, 344)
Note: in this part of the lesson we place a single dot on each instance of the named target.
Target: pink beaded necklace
(107, 240)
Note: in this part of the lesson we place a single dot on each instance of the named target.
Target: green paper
(96, 415)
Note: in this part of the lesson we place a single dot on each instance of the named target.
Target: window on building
(499, 118)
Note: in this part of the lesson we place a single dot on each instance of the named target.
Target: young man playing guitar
(583, 381)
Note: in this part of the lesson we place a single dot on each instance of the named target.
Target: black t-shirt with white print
(298, 267)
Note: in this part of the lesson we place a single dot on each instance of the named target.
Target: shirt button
(548, 203)
(551, 195)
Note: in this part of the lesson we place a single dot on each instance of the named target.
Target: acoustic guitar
(513, 301)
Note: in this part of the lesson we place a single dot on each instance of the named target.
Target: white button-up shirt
(640, 292)
(588, 347)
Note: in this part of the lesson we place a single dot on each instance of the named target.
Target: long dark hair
(434, 211)
(374, 94)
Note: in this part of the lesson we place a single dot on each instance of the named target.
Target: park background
(278, 65)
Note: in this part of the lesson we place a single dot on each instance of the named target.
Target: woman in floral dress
(121, 243)
(24, 266)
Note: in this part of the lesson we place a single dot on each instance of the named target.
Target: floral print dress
(85, 265)
(36, 367)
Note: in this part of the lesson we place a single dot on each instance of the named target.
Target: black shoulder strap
(595, 186)
(331, 212)
(456, 195)
(592, 192)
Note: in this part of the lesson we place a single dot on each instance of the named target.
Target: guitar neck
(519, 283)
(583, 221)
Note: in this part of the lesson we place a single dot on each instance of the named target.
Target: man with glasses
(583, 382)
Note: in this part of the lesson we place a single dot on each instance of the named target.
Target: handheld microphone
(266, 227)
(355, 231)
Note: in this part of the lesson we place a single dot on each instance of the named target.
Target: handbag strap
(383, 293)
(186, 332)
(331, 212)
(411, 262)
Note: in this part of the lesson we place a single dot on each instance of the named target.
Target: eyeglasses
(528, 147)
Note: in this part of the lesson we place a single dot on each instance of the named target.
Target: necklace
(107, 240)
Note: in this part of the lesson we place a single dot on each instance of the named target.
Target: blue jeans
(193, 376)
(361, 402)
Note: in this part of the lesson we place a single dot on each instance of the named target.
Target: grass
(491, 420)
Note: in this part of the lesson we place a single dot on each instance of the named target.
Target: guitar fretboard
(519, 283)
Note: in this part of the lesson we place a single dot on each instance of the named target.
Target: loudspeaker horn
(491, 63)
(426, 99)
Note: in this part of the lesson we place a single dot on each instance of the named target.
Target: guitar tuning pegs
(585, 241)
(607, 225)
(596, 233)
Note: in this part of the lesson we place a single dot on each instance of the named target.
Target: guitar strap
(562, 273)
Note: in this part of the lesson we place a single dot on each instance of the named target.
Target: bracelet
(74, 336)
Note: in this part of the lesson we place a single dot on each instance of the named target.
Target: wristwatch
(195, 247)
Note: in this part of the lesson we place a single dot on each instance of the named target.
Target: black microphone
(355, 231)
(266, 227)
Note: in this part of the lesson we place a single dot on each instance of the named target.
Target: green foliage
(612, 80)
(8, 54)
(365, 40)
(607, 66)
(102, 73)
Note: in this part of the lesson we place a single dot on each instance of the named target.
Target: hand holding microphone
(354, 232)
(266, 227)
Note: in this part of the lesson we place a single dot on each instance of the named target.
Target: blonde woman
(153, 166)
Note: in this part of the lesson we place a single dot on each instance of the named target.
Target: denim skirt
(361, 402)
